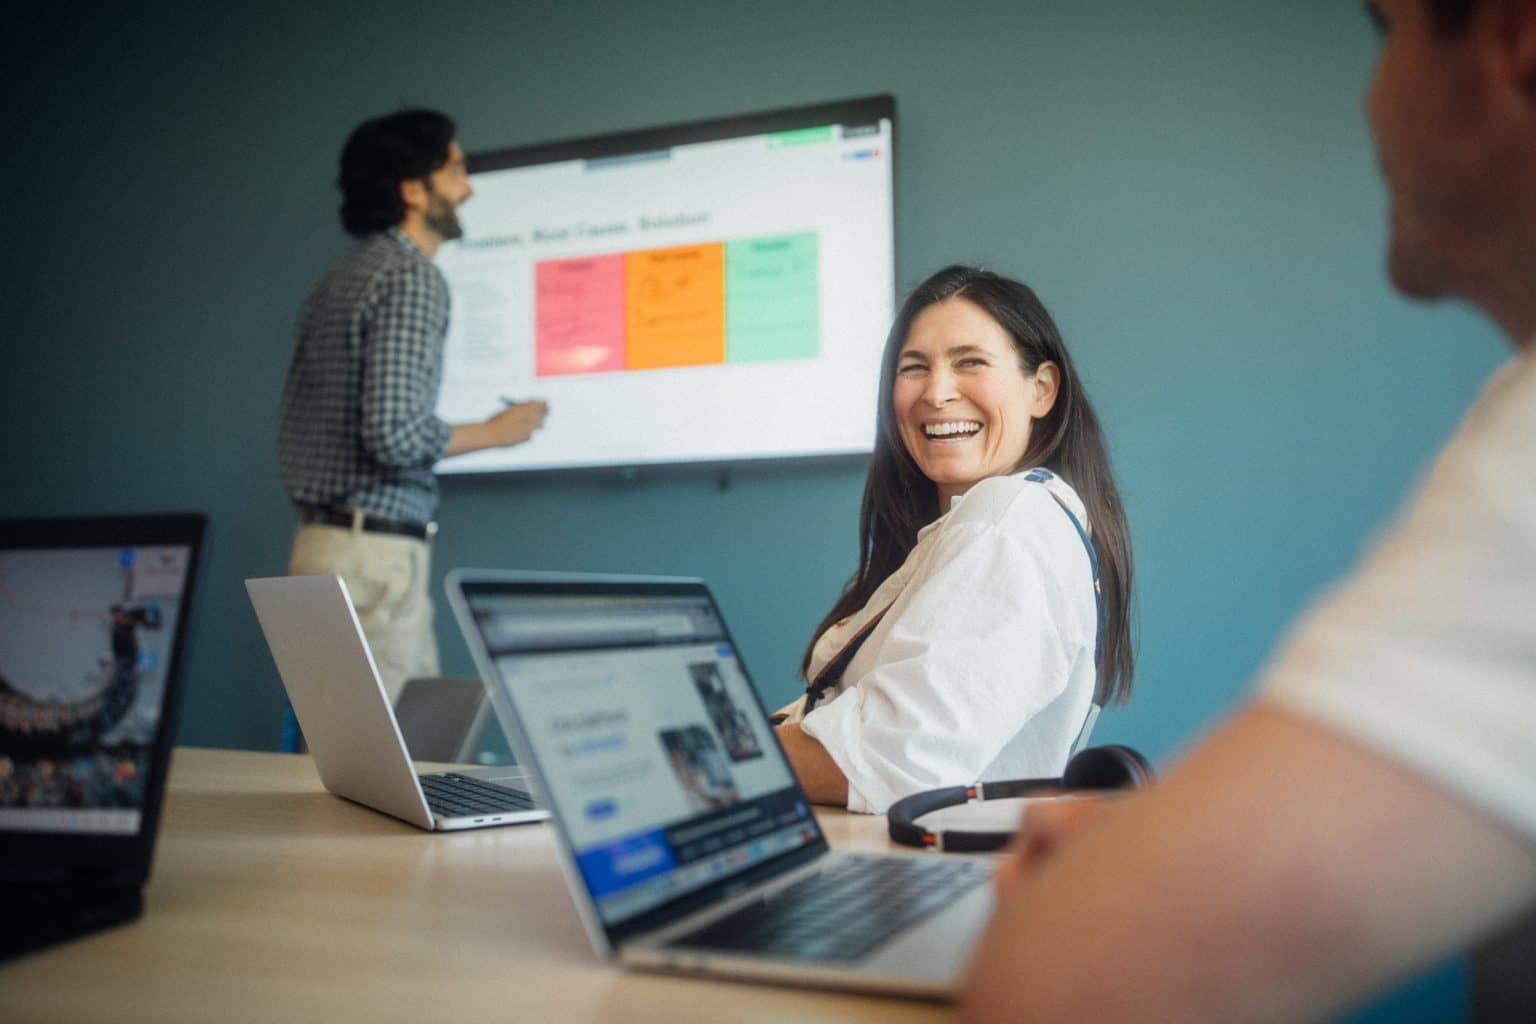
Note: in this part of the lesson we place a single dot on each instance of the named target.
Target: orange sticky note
(675, 306)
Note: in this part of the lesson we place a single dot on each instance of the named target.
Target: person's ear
(413, 194)
(1523, 51)
(1512, 24)
(1046, 385)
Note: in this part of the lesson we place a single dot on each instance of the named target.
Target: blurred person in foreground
(1374, 808)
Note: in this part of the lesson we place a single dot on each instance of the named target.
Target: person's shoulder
(1003, 500)
(990, 500)
(353, 276)
(366, 262)
(1508, 401)
(372, 250)
(402, 265)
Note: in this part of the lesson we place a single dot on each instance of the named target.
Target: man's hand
(513, 425)
(517, 422)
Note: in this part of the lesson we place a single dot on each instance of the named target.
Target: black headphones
(1096, 768)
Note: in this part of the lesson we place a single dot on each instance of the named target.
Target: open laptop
(334, 686)
(92, 634)
(688, 843)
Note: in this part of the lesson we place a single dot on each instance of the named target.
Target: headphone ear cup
(1107, 767)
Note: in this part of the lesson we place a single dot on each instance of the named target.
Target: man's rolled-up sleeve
(401, 358)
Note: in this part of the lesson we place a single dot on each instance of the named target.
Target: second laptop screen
(649, 741)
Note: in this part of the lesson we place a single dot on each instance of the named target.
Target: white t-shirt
(984, 666)
(1427, 653)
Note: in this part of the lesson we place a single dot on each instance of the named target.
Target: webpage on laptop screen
(651, 743)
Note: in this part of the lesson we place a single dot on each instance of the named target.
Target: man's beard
(442, 218)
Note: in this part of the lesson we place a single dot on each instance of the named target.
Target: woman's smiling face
(962, 403)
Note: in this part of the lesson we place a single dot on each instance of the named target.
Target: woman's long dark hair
(899, 500)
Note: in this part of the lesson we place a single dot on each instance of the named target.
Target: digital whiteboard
(706, 292)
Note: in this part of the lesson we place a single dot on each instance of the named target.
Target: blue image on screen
(625, 862)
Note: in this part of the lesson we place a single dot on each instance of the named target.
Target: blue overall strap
(1040, 476)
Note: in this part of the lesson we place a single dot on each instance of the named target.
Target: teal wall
(1189, 186)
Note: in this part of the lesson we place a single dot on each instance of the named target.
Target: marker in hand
(519, 419)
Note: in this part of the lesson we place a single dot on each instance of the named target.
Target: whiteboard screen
(708, 292)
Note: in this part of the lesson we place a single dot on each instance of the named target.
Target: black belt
(369, 524)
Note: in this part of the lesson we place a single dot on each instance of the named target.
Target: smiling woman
(962, 403)
(990, 608)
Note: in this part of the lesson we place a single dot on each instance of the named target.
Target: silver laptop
(328, 671)
(687, 841)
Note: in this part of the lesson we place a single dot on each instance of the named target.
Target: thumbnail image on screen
(700, 768)
(85, 637)
(730, 721)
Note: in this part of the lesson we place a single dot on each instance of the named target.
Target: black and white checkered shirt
(358, 428)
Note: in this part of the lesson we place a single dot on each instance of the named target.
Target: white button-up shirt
(983, 667)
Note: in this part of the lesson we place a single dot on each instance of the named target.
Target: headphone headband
(1096, 768)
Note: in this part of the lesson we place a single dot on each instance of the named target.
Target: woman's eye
(973, 362)
(909, 369)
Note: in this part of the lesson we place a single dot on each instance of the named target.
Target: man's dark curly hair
(382, 153)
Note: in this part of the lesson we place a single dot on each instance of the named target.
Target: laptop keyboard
(844, 912)
(451, 795)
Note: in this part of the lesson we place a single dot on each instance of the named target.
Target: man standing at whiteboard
(359, 435)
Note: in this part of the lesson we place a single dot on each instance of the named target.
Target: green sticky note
(772, 298)
(800, 137)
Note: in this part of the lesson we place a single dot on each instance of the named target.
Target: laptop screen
(649, 740)
(87, 636)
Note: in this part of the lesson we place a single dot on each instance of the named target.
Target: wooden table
(271, 900)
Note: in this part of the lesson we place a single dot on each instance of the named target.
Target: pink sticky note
(579, 315)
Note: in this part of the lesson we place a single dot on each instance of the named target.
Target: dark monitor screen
(91, 617)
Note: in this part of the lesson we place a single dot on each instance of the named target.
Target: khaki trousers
(387, 578)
